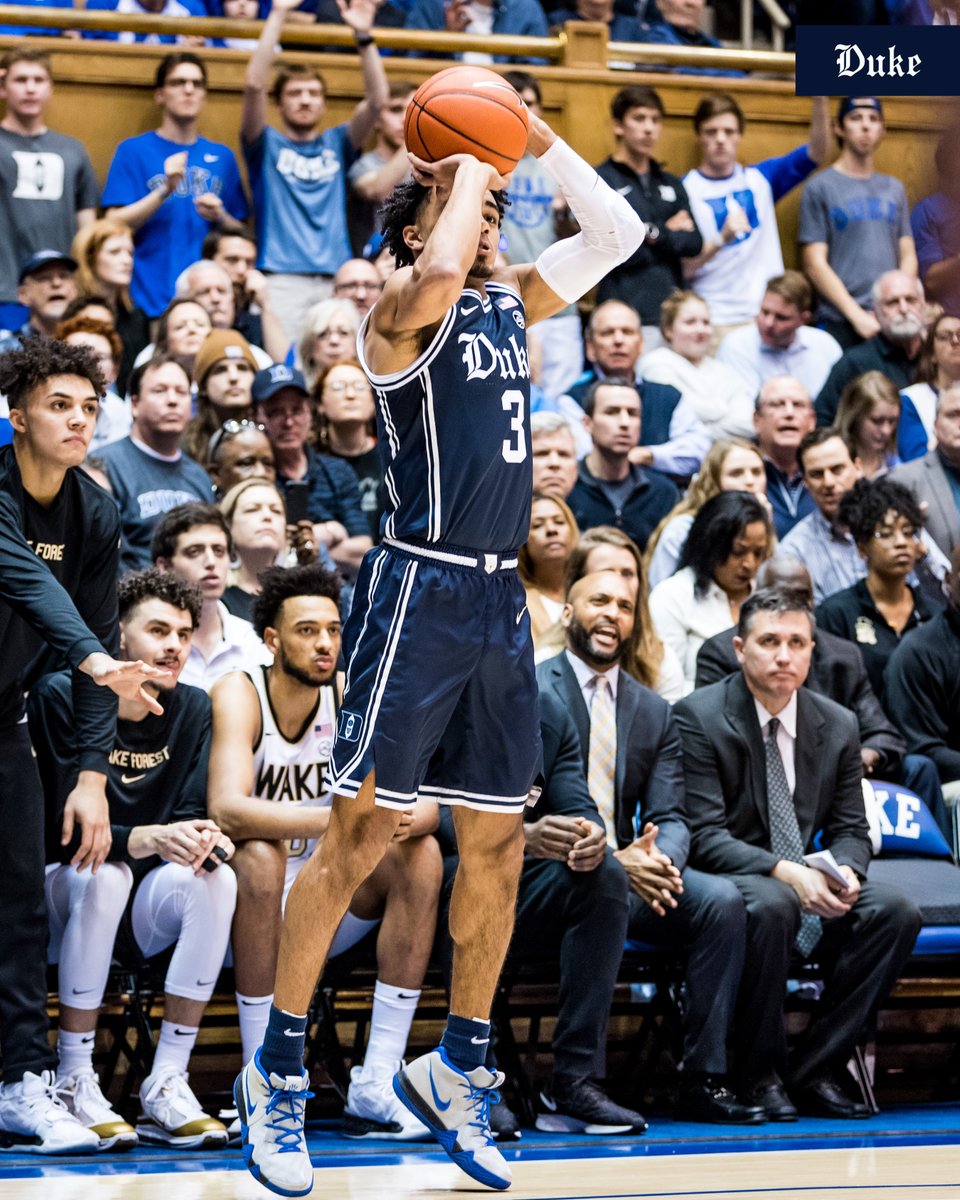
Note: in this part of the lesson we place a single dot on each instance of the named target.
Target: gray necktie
(785, 839)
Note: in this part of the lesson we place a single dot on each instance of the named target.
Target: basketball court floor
(908, 1153)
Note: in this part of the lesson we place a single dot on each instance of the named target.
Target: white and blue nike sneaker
(455, 1106)
(271, 1111)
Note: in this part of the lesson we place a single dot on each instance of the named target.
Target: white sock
(254, 1013)
(393, 1013)
(75, 1051)
(174, 1047)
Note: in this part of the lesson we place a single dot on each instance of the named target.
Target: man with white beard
(898, 305)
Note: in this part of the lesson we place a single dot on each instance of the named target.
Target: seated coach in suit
(837, 671)
(630, 754)
(768, 765)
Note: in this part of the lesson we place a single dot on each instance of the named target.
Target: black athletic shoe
(503, 1123)
(706, 1098)
(580, 1106)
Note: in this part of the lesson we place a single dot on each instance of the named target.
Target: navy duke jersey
(453, 429)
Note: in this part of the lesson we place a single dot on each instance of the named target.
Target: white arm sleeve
(610, 231)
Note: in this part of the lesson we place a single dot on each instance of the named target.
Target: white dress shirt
(786, 736)
(685, 621)
(586, 675)
(240, 650)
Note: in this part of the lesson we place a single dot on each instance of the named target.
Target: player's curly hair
(153, 584)
(400, 210)
(282, 583)
(25, 369)
(864, 507)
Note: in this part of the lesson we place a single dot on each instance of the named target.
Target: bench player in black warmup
(440, 695)
(59, 536)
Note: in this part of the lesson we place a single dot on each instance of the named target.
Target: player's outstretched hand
(124, 678)
(441, 174)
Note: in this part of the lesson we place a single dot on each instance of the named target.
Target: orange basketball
(467, 110)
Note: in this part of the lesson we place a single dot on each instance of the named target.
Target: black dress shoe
(825, 1097)
(706, 1098)
(581, 1106)
(771, 1096)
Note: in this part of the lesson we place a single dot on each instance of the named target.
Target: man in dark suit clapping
(768, 765)
(632, 760)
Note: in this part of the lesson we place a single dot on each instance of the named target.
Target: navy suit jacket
(649, 771)
(726, 775)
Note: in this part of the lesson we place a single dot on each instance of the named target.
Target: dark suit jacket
(836, 671)
(649, 773)
(725, 768)
(926, 478)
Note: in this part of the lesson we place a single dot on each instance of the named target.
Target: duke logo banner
(877, 60)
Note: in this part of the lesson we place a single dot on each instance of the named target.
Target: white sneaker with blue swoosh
(271, 1111)
(455, 1106)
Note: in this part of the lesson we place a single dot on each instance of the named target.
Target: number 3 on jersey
(512, 401)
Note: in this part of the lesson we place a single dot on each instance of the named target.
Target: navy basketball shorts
(441, 693)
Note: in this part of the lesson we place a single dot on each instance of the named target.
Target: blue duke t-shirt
(173, 237)
(300, 200)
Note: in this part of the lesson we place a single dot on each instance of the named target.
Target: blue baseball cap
(277, 378)
(850, 104)
(44, 258)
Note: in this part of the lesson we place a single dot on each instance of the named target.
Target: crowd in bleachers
(721, 443)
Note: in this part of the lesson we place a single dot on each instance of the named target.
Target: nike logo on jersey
(211, 158)
(625, 191)
(441, 1105)
(465, 312)
(132, 778)
(520, 614)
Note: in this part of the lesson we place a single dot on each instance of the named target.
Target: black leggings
(23, 911)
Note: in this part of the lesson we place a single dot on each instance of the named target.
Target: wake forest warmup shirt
(157, 771)
(48, 556)
(453, 429)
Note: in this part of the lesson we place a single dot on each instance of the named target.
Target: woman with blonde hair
(256, 516)
(103, 251)
(542, 563)
(731, 465)
(647, 659)
(329, 336)
(868, 418)
(720, 398)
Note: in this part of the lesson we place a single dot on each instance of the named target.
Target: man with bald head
(783, 414)
(673, 439)
(836, 671)
(898, 305)
(358, 281)
(631, 758)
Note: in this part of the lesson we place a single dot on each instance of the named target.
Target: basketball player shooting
(441, 695)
